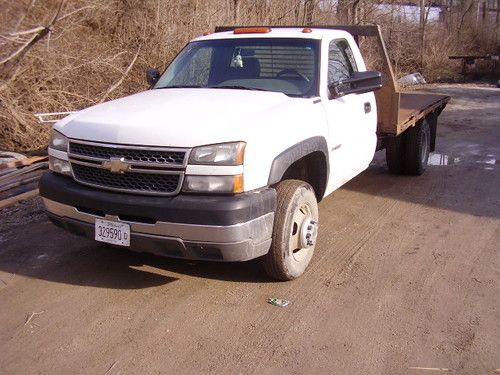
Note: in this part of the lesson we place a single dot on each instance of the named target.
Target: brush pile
(65, 55)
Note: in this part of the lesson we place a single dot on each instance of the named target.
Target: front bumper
(221, 228)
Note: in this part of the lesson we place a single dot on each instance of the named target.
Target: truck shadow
(465, 187)
(462, 175)
(48, 253)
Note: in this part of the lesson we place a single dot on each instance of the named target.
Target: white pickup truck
(227, 155)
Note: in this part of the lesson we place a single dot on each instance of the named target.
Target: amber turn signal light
(238, 184)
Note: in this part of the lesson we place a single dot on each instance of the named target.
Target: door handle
(368, 107)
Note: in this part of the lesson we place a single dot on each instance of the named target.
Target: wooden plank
(21, 180)
(387, 97)
(387, 109)
(23, 162)
(18, 172)
(18, 198)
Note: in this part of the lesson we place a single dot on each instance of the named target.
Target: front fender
(285, 159)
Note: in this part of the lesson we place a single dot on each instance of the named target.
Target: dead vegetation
(64, 55)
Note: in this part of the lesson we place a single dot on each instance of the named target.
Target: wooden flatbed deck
(414, 106)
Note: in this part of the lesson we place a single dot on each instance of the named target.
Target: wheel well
(312, 169)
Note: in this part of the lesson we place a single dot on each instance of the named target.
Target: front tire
(294, 232)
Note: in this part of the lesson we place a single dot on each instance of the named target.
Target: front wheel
(295, 231)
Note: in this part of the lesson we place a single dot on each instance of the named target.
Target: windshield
(280, 65)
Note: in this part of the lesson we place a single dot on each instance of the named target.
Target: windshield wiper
(231, 87)
(181, 87)
(236, 87)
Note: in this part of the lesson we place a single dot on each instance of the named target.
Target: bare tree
(58, 55)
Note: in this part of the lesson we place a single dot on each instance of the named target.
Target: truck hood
(180, 117)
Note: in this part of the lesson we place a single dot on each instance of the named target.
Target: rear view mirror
(152, 76)
(357, 83)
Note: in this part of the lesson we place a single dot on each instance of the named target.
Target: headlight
(221, 154)
(213, 184)
(59, 166)
(58, 141)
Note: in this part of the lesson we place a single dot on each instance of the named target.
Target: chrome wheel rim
(304, 232)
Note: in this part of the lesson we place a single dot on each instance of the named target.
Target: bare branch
(120, 81)
(21, 19)
(30, 31)
(24, 46)
(40, 34)
(76, 11)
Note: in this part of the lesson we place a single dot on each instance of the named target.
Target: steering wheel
(292, 72)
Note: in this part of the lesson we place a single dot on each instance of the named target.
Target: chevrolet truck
(227, 154)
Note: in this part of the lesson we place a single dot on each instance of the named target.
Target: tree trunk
(309, 12)
(236, 11)
(422, 33)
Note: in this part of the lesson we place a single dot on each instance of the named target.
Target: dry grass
(99, 50)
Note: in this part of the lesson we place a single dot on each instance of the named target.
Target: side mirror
(152, 76)
(357, 83)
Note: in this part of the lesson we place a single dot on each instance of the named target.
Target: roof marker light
(206, 33)
(307, 30)
(252, 30)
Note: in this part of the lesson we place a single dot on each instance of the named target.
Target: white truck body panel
(269, 122)
(352, 132)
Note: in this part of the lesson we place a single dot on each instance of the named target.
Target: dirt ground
(405, 280)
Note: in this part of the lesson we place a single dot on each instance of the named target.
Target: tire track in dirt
(302, 293)
(372, 215)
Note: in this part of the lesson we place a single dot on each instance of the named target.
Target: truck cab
(227, 154)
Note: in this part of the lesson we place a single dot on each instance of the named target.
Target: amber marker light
(238, 184)
(240, 155)
(306, 30)
(206, 33)
(252, 30)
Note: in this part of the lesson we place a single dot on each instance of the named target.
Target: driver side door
(351, 118)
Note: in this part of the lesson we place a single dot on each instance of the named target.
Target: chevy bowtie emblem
(116, 165)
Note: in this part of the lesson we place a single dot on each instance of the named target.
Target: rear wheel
(417, 148)
(294, 232)
(395, 154)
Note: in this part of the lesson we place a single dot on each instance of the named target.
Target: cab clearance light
(206, 33)
(252, 30)
(306, 30)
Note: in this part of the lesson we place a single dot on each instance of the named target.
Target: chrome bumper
(238, 242)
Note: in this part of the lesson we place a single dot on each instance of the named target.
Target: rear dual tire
(408, 153)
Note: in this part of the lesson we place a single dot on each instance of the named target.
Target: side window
(341, 62)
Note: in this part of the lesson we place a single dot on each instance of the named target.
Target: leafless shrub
(64, 55)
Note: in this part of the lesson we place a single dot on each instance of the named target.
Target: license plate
(112, 232)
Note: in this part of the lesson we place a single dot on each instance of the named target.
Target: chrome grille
(143, 170)
(131, 181)
(136, 155)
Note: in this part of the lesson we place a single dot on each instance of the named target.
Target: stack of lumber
(19, 175)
